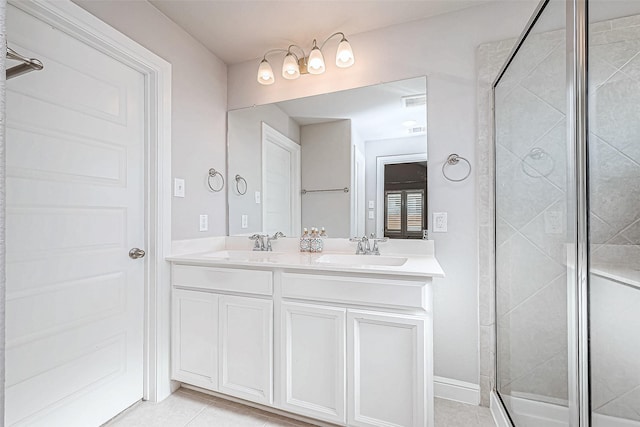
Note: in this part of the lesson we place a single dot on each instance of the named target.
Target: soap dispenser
(304, 241)
(315, 241)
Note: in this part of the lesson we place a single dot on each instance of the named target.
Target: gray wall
(245, 159)
(325, 162)
(199, 104)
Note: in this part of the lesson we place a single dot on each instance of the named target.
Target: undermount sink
(240, 255)
(361, 260)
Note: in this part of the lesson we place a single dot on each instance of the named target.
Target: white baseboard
(460, 391)
(542, 414)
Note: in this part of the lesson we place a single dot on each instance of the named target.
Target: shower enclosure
(567, 218)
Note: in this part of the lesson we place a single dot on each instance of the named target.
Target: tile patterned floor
(189, 408)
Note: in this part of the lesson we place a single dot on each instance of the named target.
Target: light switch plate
(439, 222)
(372, 205)
(178, 187)
(371, 216)
(204, 222)
(553, 222)
(257, 197)
(245, 221)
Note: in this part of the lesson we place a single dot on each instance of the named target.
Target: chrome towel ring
(454, 159)
(238, 179)
(212, 174)
(538, 157)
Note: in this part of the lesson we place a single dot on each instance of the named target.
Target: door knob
(136, 253)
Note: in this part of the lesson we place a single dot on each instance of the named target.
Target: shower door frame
(577, 146)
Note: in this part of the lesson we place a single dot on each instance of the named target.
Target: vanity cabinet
(352, 349)
(246, 337)
(194, 347)
(387, 365)
(313, 382)
(381, 354)
(223, 342)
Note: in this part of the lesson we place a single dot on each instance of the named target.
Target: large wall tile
(614, 189)
(523, 118)
(522, 271)
(615, 115)
(537, 331)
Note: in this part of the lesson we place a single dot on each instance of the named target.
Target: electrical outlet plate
(257, 197)
(371, 216)
(178, 187)
(204, 222)
(439, 222)
(245, 221)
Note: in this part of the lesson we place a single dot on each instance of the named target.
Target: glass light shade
(344, 56)
(290, 68)
(316, 61)
(265, 73)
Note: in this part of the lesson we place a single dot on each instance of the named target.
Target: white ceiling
(376, 112)
(241, 30)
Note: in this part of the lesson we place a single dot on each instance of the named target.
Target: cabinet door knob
(136, 253)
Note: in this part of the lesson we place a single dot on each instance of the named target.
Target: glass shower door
(535, 202)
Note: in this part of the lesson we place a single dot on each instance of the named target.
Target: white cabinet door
(313, 361)
(246, 348)
(195, 338)
(387, 367)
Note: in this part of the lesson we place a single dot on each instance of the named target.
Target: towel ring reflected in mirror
(238, 185)
(212, 174)
(538, 155)
(452, 160)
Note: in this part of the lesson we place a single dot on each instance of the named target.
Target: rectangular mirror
(354, 162)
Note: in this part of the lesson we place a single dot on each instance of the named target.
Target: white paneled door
(75, 207)
(280, 183)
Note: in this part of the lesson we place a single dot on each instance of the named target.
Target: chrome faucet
(259, 245)
(274, 237)
(263, 241)
(364, 244)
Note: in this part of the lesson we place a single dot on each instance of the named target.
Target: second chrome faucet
(364, 244)
(263, 241)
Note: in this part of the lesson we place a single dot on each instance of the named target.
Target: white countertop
(419, 254)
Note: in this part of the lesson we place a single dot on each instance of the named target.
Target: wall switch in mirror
(371, 204)
(204, 222)
(553, 222)
(371, 216)
(178, 187)
(439, 222)
(245, 221)
(257, 197)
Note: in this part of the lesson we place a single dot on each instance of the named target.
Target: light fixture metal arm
(339, 33)
(304, 55)
(270, 51)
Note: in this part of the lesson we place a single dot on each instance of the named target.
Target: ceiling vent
(414, 101)
(417, 129)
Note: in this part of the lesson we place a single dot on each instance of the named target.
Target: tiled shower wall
(533, 212)
(614, 166)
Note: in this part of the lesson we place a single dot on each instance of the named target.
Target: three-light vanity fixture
(294, 65)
